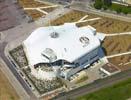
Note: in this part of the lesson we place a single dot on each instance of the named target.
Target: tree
(125, 10)
(118, 10)
(98, 4)
(107, 3)
(105, 7)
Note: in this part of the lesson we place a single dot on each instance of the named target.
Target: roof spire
(54, 35)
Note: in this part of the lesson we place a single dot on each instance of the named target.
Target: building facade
(61, 50)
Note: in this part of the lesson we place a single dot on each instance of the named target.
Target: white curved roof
(66, 46)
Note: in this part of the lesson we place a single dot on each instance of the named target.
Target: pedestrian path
(40, 9)
(115, 34)
(120, 54)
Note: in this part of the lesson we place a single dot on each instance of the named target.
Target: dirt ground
(117, 44)
(7, 92)
(109, 26)
(105, 25)
(31, 3)
(35, 14)
(122, 62)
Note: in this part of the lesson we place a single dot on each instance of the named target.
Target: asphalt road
(87, 8)
(102, 83)
(16, 74)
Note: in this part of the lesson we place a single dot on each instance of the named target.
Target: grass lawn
(120, 8)
(112, 6)
(119, 91)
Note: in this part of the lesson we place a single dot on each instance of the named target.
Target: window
(93, 57)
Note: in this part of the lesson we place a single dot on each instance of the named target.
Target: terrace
(109, 69)
(19, 56)
(43, 86)
(45, 68)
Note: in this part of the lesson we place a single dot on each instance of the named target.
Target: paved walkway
(115, 34)
(32, 8)
(120, 54)
(83, 18)
(93, 19)
(120, 64)
(42, 11)
(40, 8)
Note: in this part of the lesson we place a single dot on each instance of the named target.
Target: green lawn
(119, 91)
(120, 8)
(99, 4)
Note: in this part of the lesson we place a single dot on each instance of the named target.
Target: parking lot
(11, 15)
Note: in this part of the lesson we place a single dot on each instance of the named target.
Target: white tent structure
(76, 47)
